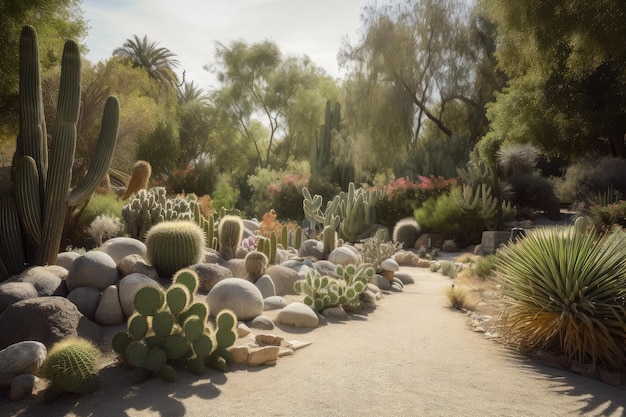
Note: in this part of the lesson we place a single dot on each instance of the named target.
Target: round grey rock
(86, 299)
(404, 277)
(109, 311)
(262, 323)
(274, 303)
(210, 274)
(283, 279)
(311, 248)
(298, 315)
(65, 259)
(343, 255)
(120, 247)
(21, 358)
(237, 294)
(47, 280)
(266, 286)
(12, 292)
(134, 263)
(94, 269)
(22, 386)
(381, 282)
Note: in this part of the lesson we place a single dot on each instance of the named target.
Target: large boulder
(284, 279)
(311, 248)
(12, 292)
(94, 269)
(47, 280)
(128, 287)
(344, 255)
(20, 358)
(209, 275)
(237, 267)
(109, 311)
(44, 319)
(266, 286)
(298, 315)
(120, 247)
(134, 263)
(86, 299)
(65, 259)
(238, 295)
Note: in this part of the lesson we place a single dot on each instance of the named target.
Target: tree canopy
(567, 66)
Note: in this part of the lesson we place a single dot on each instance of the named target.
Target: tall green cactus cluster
(207, 224)
(321, 292)
(269, 247)
(351, 213)
(32, 216)
(169, 330)
(150, 207)
(230, 232)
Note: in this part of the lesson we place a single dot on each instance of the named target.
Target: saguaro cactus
(41, 195)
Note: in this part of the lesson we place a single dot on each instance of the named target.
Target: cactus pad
(203, 346)
(193, 328)
(175, 346)
(137, 326)
(188, 278)
(137, 353)
(168, 373)
(196, 365)
(226, 319)
(225, 338)
(149, 300)
(156, 360)
(199, 309)
(162, 323)
(120, 342)
(177, 297)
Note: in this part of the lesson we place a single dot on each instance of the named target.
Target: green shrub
(448, 269)
(485, 268)
(225, 195)
(99, 204)
(606, 217)
(565, 291)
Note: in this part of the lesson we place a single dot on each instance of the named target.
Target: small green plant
(322, 292)
(485, 268)
(377, 248)
(435, 266)
(564, 290)
(448, 269)
(71, 366)
(168, 329)
(448, 246)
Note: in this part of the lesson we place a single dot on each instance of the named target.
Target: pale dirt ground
(411, 356)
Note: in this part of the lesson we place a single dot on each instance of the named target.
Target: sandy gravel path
(412, 356)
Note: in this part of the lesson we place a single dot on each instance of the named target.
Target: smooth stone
(120, 247)
(390, 265)
(405, 278)
(283, 278)
(65, 259)
(21, 358)
(274, 303)
(136, 264)
(381, 282)
(262, 322)
(94, 269)
(12, 292)
(110, 312)
(335, 313)
(22, 386)
(266, 286)
(237, 294)
(298, 315)
(266, 355)
(128, 287)
(86, 300)
(343, 255)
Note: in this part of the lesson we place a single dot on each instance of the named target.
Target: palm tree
(190, 92)
(146, 54)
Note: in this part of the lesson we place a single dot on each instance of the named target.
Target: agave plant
(565, 291)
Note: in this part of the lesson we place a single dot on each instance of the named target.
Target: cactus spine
(41, 182)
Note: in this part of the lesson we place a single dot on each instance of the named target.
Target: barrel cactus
(32, 216)
(406, 232)
(174, 245)
(230, 232)
(71, 366)
(256, 265)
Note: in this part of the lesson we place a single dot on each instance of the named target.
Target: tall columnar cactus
(169, 330)
(320, 157)
(41, 197)
(230, 232)
(268, 248)
(206, 224)
(174, 245)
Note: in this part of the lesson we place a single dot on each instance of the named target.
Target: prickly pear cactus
(168, 330)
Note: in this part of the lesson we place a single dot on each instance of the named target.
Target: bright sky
(190, 28)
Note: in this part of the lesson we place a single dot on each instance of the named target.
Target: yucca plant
(565, 291)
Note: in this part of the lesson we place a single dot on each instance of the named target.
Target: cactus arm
(27, 198)
(104, 153)
(32, 140)
(61, 156)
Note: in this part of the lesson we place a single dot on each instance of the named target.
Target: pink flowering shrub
(286, 196)
(403, 196)
(609, 216)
